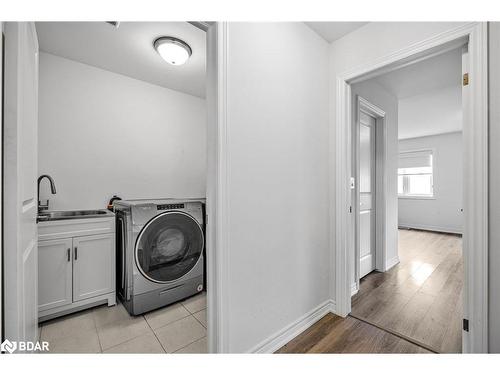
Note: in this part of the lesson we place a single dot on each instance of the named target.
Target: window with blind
(415, 174)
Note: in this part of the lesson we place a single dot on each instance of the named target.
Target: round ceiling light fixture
(172, 50)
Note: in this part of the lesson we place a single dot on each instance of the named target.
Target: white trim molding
(217, 189)
(391, 262)
(282, 337)
(475, 173)
(354, 288)
(475, 231)
(431, 228)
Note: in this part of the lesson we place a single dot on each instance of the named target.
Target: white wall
(443, 212)
(277, 114)
(102, 133)
(435, 112)
(494, 188)
(367, 44)
(379, 96)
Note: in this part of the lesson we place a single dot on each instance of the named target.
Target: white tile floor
(178, 328)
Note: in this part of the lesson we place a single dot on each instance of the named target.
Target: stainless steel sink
(66, 215)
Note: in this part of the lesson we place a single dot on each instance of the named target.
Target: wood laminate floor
(416, 307)
(333, 334)
(421, 297)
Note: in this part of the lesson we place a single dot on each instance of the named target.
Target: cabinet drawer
(51, 230)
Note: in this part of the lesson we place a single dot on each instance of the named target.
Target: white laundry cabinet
(76, 265)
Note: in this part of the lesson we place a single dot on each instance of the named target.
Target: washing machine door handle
(123, 253)
(124, 262)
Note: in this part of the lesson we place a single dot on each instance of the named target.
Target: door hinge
(465, 79)
(466, 325)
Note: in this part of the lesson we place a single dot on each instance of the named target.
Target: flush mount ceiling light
(172, 50)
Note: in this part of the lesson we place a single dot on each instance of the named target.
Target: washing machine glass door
(169, 246)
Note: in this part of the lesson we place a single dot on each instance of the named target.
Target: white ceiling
(429, 95)
(435, 112)
(435, 73)
(331, 31)
(128, 50)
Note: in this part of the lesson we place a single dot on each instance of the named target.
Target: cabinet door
(54, 273)
(93, 266)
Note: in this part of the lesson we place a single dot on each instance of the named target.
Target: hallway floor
(416, 307)
(333, 334)
(421, 297)
(178, 328)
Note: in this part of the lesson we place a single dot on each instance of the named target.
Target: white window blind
(415, 159)
(415, 174)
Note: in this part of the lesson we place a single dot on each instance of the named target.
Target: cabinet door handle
(69, 254)
(76, 253)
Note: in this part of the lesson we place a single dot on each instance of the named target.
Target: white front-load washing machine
(160, 247)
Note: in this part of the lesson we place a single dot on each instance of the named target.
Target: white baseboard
(432, 228)
(354, 289)
(282, 337)
(391, 263)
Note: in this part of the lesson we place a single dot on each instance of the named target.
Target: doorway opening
(107, 109)
(473, 330)
(415, 289)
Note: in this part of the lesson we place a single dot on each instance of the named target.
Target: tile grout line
(173, 321)
(194, 317)
(58, 320)
(154, 333)
(192, 314)
(201, 338)
(198, 320)
(133, 338)
(92, 313)
(96, 330)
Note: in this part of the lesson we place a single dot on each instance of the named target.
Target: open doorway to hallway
(102, 274)
(408, 199)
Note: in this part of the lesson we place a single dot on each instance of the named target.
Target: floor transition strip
(404, 337)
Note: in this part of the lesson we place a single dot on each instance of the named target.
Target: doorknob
(69, 254)
(76, 253)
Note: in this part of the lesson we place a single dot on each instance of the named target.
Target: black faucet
(41, 206)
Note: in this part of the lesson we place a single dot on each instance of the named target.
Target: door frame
(379, 185)
(217, 203)
(475, 173)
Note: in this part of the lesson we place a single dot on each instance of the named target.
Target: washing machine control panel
(170, 206)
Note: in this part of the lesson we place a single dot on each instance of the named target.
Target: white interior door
(366, 183)
(20, 176)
